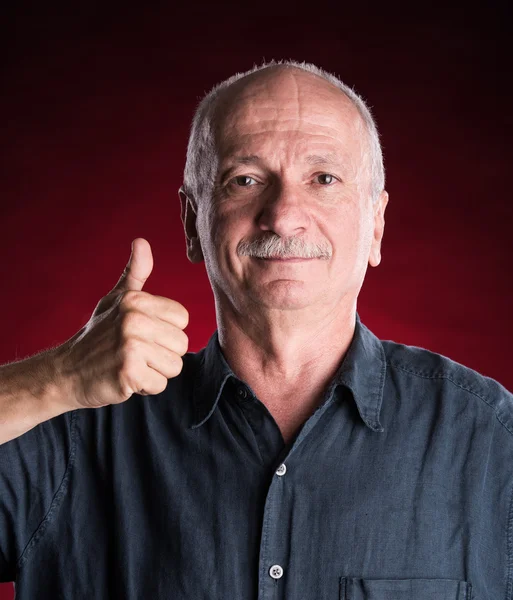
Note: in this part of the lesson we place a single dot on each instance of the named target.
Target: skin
(285, 325)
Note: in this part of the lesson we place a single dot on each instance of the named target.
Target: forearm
(32, 391)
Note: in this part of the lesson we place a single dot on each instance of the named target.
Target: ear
(188, 214)
(379, 227)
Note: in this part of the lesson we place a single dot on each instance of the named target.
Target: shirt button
(276, 571)
(242, 392)
(281, 470)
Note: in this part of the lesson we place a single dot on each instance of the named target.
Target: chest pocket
(353, 588)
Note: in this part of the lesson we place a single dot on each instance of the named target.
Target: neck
(286, 354)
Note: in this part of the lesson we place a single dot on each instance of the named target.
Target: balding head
(234, 99)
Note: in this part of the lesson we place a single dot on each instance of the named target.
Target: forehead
(287, 104)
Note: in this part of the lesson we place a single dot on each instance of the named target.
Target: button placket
(275, 533)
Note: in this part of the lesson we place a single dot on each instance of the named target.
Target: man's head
(284, 161)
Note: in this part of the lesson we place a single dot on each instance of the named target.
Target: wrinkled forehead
(287, 101)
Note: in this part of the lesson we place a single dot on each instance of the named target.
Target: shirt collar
(362, 371)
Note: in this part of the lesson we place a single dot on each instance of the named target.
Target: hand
(132, 344)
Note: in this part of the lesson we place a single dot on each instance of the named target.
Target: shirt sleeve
(32, 472)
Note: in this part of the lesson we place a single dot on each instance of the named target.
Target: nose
(284, 212)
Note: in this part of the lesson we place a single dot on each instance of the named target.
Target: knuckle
(126, 380)
(130, 300)
(132, 323)
(184, 317)
(161, 386)
(130, 348)
(180, 314)
(176, 365)
(125, 327)
(125, 366)
(125, 389)
(153, 383)
(184, 342)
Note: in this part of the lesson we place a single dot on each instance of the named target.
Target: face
(290, 223)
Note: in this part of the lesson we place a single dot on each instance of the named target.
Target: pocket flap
(355, 588)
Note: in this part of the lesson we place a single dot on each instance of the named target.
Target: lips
(279, 259)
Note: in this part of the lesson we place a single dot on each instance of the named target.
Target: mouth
(287, 260)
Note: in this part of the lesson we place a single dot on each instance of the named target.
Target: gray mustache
(277, 247)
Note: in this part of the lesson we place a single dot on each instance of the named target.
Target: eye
(243, 181)
(326, 178)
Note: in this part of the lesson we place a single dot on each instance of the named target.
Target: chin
(283, 295)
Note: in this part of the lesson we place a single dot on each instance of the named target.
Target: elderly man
(297, 456)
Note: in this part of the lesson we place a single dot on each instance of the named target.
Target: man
(297, 456)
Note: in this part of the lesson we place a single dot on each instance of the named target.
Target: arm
(32, 391)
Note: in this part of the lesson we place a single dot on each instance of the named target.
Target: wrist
(61, 393)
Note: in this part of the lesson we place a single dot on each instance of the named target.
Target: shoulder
(441, 371)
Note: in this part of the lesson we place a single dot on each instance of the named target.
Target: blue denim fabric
(398, 487)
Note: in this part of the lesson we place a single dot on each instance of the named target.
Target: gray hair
(201, 164)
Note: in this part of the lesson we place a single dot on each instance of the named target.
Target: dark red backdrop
(95, 110)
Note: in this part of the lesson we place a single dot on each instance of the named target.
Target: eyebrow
(322, 159)
(246, 160)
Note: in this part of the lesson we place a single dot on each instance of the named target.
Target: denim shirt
(398, 487)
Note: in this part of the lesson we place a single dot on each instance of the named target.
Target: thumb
(138, 268)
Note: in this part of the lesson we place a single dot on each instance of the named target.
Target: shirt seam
(509, 550)
(54, 504)
(457, 384)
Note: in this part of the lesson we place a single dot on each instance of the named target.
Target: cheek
(350, 237)
(211, 230)
(221, 232)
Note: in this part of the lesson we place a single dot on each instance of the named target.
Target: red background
(95, 110)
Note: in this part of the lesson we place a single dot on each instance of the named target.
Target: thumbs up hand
(133, 342)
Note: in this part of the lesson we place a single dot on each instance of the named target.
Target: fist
(133, 342)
